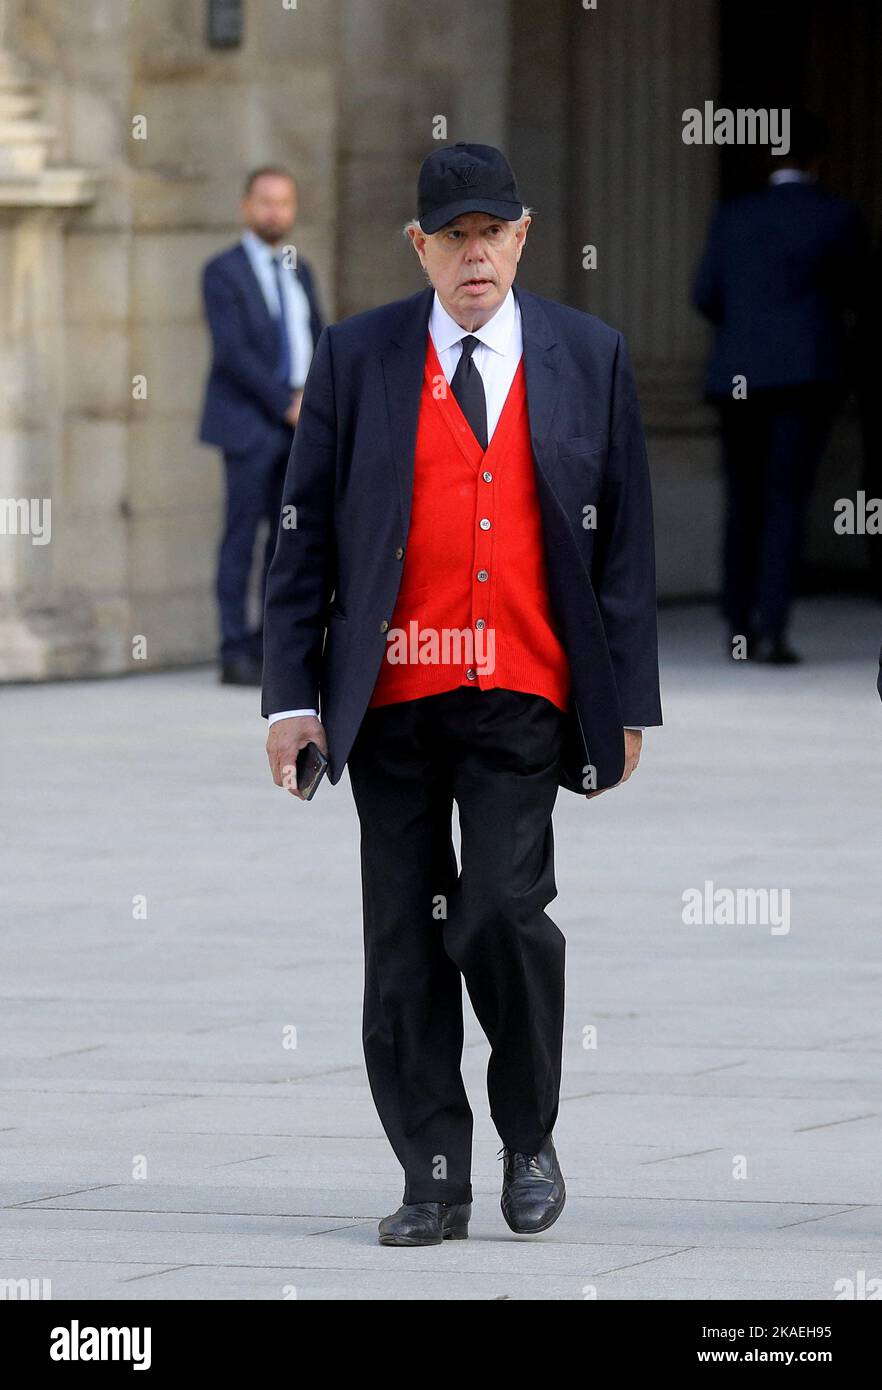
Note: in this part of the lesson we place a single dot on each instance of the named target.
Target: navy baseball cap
(466, 178)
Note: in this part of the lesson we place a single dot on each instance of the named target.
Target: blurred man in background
(780, 268)
(264, 318)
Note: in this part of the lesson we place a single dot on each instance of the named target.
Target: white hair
(415, 222)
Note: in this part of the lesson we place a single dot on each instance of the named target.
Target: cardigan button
(487, 476)
(471, 674)
(482, 576)
(484, 524)
(481, 623)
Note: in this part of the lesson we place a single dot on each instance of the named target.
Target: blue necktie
(284, 368)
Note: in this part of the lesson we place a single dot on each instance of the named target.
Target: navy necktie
(468, 390)
(284, 367)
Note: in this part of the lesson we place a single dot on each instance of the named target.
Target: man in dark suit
(469, 472)
(264, 316)
(779, 270)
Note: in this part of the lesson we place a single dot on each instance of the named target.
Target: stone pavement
(161, 1139)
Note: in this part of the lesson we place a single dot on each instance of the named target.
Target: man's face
(471, 263)
(270, 208)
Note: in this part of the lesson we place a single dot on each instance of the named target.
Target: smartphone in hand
(311, 767)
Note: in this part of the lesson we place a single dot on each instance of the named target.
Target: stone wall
(345, 94)
(136, 500)
(102, 244)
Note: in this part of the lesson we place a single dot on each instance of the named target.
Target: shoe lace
(521, 1163)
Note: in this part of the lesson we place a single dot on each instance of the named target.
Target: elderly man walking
(467, 591)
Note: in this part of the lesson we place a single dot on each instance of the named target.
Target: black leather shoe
(533, 1189)
(426, 1223)
(241, 673)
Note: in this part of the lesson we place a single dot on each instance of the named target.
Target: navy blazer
(350, 479)
(779, 268)
(245, 402)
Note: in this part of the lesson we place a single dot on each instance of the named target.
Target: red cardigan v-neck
(473, 607)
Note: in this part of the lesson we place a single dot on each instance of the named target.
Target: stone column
(639, 194)
(402, 66)
(45, 629)
(644, 199)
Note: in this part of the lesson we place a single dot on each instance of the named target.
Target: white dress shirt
(790, 176)
(499, 350)
(496, 357)
(296, 305)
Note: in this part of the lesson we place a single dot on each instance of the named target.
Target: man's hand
(285, 739)
(292, 415)
(633, 744)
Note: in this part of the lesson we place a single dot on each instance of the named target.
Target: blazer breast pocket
(583, 445)
(580, 462)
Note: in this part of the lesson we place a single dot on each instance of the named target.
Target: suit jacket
(779, 268)
(245, 402)
(335, 577)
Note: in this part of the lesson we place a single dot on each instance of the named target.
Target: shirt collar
(257, 247)
(790, 176)
(497, 333)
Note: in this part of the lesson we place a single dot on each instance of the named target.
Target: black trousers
(428, 925)
(772, 444)
(254, 491)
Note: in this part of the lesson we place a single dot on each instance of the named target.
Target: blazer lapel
(542, 375)
(403, 362)
(251, 286)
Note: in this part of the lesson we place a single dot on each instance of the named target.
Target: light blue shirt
(295, 308)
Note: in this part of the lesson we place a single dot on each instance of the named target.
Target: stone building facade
(124, 137)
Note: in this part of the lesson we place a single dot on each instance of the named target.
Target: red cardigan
(473, 607)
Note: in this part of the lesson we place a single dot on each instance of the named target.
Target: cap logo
(464, 174)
